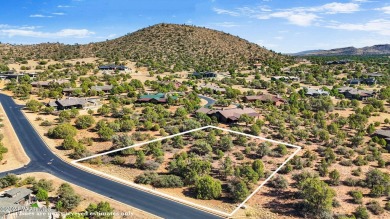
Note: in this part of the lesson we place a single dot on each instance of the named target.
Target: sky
(284, 26)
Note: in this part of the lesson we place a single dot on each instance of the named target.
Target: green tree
(85, 121)
(226, 143)
(68, 199)
(105, 133)
(42, 195)
(317, 194)
(361, 213)
(238, 190)
(140, 160)
(334, 177)
(69, 143)
(258, 167)
(34, 105)
(208, 188)
(62, 131)
(246, 119)
(105, 207)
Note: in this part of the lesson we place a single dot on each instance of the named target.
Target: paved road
(208, 99)
(43, 160)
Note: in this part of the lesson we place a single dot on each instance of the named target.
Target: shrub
(168, 181)
(361, 213)
(150, 165)
(238, 190)
(69, 143)
(357, 196)
(46, 123)
(85, 121)
(375, 207)
(207, 188)
(62, 131)
(146, 178)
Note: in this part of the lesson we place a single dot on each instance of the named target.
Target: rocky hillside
(162, 47)
(369, 50)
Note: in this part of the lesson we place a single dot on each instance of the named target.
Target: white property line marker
(201, 207)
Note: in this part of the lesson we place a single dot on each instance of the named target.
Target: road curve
(43, 160)
(210, 101)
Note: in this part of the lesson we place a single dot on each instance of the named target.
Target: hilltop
(163, 47)
(383, 49)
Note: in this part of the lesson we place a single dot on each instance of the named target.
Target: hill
(383, 49)
(163, 47)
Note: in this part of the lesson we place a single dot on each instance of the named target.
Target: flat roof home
(228, 115)
(16, 204)
(374, 74)
(47, 83)
(383, 133)
(104, 88)
(73, 102)
(314, 92)
(284, 78)
(266, 98)
(200, 75)
(113, 67)
(155, 98)
(353, 93)
(214, 88)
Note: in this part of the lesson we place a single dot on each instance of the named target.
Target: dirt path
(16, 156)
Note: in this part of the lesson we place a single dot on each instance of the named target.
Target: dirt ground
(15, 157)
(92, 197)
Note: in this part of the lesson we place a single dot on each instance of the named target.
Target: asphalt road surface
(210, 101)
(43, 160)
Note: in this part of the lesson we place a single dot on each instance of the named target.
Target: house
(354, 81)
(69, 90)
(155, 98)
(48, 83)
(104, 88)
(200, 75)
(374, 75)
(113, 67)
(383, 133)
(69, 103)
(228, 115)
(316, 92)
(214, 88)
(352, 93)
(20, 196)
(17, 203)
(370, 81)
(284, 78)
(266, 98)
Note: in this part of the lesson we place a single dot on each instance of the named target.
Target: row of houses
(113, 67)
(284, 78)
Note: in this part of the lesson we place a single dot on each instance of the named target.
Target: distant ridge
(161, 47)
(383, 49)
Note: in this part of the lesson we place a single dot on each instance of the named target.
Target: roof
(383, 132)
(213, 87)
(313, 91)
(152, 96)
(69, 89)
(203, 110)
(102, 88)
(375, 74)
(265, 97)
(15, 195)
(46, 83)
(68, 102)
(236, 113)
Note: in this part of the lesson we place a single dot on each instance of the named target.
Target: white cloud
(297, 18)
(226, 24)
(64, 6)
(223, 11)
(40, 15)
(301, 16)
(58, 13)
(380, 26)
(75, 33)
(335, 8)
(385, 10)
